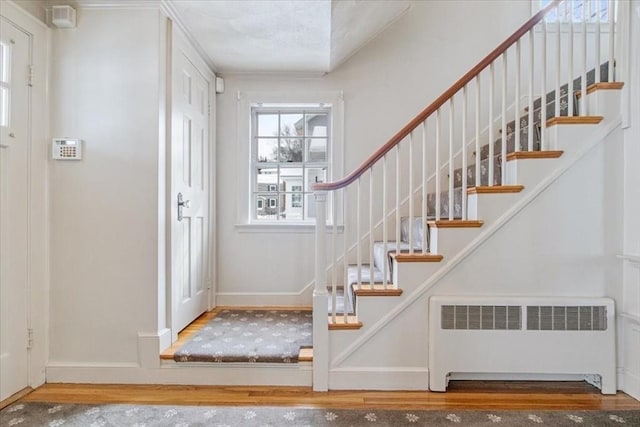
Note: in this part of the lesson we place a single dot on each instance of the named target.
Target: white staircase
(424, 228)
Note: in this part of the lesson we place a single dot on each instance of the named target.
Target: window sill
(270, 227)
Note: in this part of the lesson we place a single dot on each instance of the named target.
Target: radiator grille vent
(481, 317)
(566, 318)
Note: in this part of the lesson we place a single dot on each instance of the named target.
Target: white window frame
(335, 170)
(537, 5)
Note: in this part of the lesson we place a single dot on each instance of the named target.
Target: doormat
(250, 336)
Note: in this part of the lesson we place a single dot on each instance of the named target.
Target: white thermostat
(66, 149)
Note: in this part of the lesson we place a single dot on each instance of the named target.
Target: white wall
(630, 303)
(104, 209)
(385, 85)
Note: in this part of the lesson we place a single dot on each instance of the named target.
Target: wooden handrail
(464, 80)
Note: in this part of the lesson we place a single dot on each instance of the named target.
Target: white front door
(189, 190)
(14, 190)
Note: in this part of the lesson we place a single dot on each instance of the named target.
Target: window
(291, 148)
(260, 204)
(573, 10)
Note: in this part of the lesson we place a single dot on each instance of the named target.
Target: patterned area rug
(253, 336)
(70, 415)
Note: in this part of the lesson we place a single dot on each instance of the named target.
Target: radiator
(524, 336)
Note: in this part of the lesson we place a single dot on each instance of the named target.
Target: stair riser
(413, 274)
(604, 103)
(489, 207)
(371, 308)
(529, 172)
(449, 241)
(568, 138)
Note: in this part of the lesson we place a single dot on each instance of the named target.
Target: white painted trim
(596, 138)
(28, 15)
(382, 378)
(173, 14)
(261, 299)
(280, 374)
(243, 134)
(282, 227)
(276, 75)
(515, 377)
(38, 191)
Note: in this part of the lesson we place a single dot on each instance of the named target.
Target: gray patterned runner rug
(253, 336)
(74, 415)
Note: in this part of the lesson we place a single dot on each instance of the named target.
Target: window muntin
(573, 10)
(290, 152)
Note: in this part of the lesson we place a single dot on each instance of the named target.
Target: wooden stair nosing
(523, 155)
(377, 291)
(601, 86)
(455, 223)
(416, 257)
(305, 354)
(574, 120)
(352, 323)
(495, 189)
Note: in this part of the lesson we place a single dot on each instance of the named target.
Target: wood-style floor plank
(479, 395)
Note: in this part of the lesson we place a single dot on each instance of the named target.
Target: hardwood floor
(480, 395)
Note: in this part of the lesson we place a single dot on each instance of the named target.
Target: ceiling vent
(63, 16)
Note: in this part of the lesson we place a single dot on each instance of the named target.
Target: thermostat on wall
(66, 149)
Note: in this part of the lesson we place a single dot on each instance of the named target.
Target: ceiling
(297, 36)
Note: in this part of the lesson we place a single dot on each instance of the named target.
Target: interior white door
(189, 189)
(14, 169)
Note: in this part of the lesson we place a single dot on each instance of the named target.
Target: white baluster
(358, 235)
(334, 259)
(437, 156)
(505, 131)
(492, 78)
(371, 240)
(596, 53)
(516, 107)
(410, 228)
(451, 168)
(477, 139)
(583, 78)
(397, 198)
(530, 126)
(558, 45)
(464, 153)
(612, 33)
(345, 256)
(385, 261)
(425, 177)
(543, 88)
(571, 89)
(320, 299)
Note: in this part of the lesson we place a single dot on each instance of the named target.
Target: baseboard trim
(630, 384)
(299, 374)
(303, 298)
(384, 378)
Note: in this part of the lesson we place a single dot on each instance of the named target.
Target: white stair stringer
(371, 347)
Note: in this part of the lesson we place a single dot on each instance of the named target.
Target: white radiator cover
(520, 350)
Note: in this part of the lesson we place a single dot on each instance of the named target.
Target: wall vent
(63, 16)
(566, 318)
(487, 317)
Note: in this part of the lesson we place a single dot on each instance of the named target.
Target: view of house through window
(574, 10)
(290, 152)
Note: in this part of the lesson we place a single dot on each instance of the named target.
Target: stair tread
(377, 290)
(455, 223)
(495, 189)
(417, 257)
(351, 323)
(522, 155)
